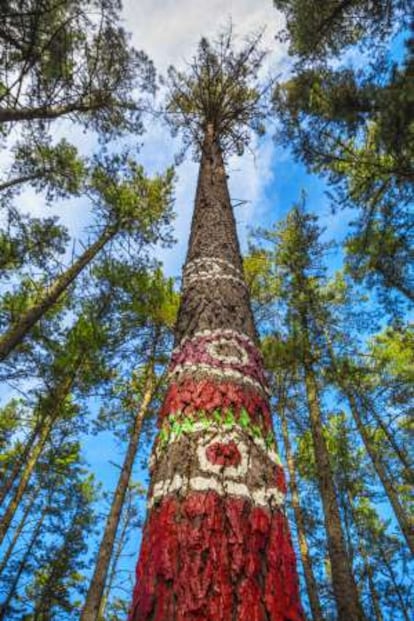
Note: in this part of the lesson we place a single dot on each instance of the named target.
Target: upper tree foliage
(221, 90)
(351, 121)
(69, 58)
(318, 28)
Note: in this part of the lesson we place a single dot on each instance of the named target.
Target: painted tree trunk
(311, 583)
(216, 544)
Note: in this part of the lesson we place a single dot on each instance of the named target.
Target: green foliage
(352, 123)
(220, 91)
(60, 58)
(318, 28)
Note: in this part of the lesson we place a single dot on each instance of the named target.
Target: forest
(209, 422)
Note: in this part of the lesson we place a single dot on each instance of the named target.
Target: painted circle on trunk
(224, 454)
(228, 351)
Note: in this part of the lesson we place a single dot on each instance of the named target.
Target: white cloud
(169, 30)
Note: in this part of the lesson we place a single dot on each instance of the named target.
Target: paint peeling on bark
(206, 558)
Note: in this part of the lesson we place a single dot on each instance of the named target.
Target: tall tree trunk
(216, 544)
(55, 399)
(121, 540)
(50, 295)
(4, 606)
(376, 604)
(17, 532)
(9, 481)
(368, 406)
(400, 514)
(92, 606)
(403, 520)
(389, 567)
(311, 584)
(344, 587)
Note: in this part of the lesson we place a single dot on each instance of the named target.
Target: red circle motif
(223, 454)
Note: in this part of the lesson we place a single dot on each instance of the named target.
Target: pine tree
(216, 544)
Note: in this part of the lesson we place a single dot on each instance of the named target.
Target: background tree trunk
(345, 590)
(51, 294)
(94, 596)
(311, 584)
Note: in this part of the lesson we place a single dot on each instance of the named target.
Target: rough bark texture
(344, 587)
(216, 545)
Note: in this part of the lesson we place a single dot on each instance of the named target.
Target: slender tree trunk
(400, 514)
(402, 518)
(56, 400)
(50, 295)
(403, 607)
(114, 564)
(376, 604)
(18, 464)
(92, 606)
(216, 544)
(18, 531)
(344, 587)
(11, 115)
(311, 584)
(401, 454)
(6, 185)
(4, 607)
(372, 589)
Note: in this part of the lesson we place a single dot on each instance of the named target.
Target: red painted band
(207, 558)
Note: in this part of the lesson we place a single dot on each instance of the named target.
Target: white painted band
(219, 332)
(192, 265)
(269, 497)
(232, 374)
(194, 279)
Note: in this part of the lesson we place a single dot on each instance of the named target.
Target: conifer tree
(216, 543)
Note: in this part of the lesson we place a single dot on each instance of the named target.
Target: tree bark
(344, 587)
(401, 454)
(403, 607)
(216, 544)
(11, 115)
(18, 331)
(311, 584)
(6, 185)
(18, 464)
(93, 601)
(400, 514)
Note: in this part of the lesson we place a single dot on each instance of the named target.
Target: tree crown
(221, 91)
